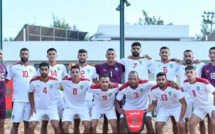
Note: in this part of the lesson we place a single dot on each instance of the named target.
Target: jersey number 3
(74, 91)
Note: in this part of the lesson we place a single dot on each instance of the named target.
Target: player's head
(52, 54)
(1, 55)
(133, 79)
(190, 72)
(82, 56)
(75, 71)
(161, 80)
(44, 69)
(212, 53)
(110, 55)
(164, 53)
(104, 82)
(24, 54)
(188, 56)
(136, 49)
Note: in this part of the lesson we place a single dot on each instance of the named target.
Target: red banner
(9, 93)
(134, 120)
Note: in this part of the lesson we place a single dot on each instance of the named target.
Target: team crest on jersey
(88, 70)
(116, 68)
(110, 94)
(51, 86)
(170, 93)
(198, 88)
(141, 89)
(58, 68)
(171, 65)
(30, 70)
(81, 86)
(13, 116)
(140, 61)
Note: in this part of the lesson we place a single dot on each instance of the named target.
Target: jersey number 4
(74, 91)
(45, 90)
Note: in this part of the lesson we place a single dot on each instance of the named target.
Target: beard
(24, 59)
(188, 61)
(44, 75)
(82, 61)
(135, 54)
(164, 58)
(161, 85)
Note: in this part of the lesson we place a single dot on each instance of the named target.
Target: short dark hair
(190, 68)
(75, 67)
(43, 64)
(164, 47)
(136, 44)
(110, 49)
(82, 51)
(134, 72)
(51, 49)
(104, 76)
(188, 50)
(160, 74)
(24, 49)
(211, 49)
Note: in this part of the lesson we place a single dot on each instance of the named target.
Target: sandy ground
(167, 129)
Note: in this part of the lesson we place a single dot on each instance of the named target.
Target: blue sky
(87, 15)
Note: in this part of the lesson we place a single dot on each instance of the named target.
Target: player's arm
(31, 99)
(152, 106)
(183, 110)
(119, 97)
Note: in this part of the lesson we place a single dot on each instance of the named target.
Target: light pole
(208, 18)
(121, 29)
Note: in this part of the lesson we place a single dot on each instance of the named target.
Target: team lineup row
(41, 97)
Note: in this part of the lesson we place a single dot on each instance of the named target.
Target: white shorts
(149, 114)
(98, 112)
(164, 114)
(189, 109)
(201, 113)
(69, 114)
(60, 106)
(158, 107)
(89, 105)
(52, 114)
(21, 111)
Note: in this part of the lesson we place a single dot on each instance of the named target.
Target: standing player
(141, 65)
(188, 61)
(115, 72)
(136, 92)
(87, 71)
(203, 95)
(208, 72)
(170, 68)
(172, 104)
(103, 103)
(75, 89)
(3, 74)
(41, 95)
(21, 73)
(57, 71)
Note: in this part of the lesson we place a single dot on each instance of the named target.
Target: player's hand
(174, 84)
(33, 110)
(121, 111)
(197, 61)
(176, 60)
(181, 124)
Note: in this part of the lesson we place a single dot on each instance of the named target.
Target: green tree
(61, 23)
(147, 20)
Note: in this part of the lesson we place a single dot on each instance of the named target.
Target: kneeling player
(172, 104)
(41, 95)
(103, 103)
(75, 89)
(136, 92)
(203, 94)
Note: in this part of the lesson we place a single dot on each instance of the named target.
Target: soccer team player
(90, 92)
